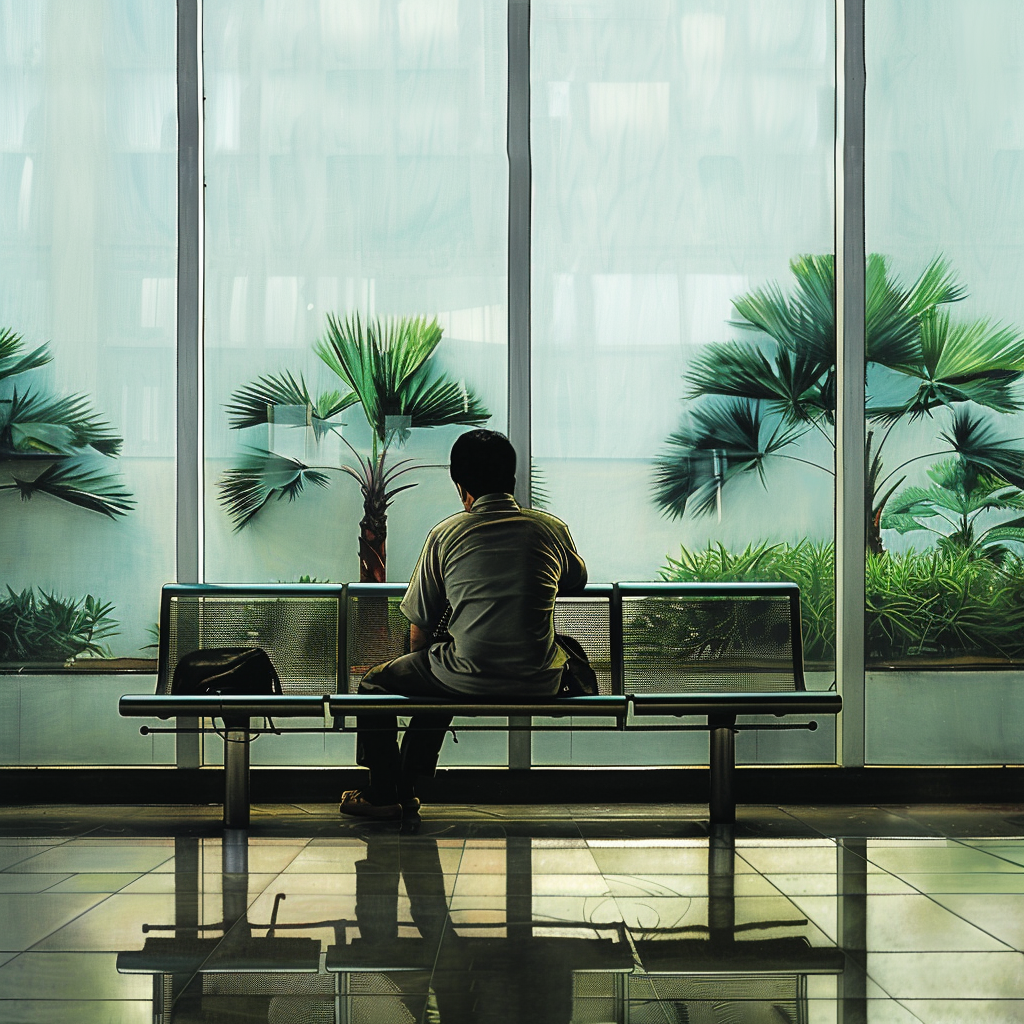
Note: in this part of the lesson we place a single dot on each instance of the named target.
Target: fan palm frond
(79, 483)
(249, 404)
(975, 440)
(796, 386)
(438, 401)
(260, 476)
(386, 365)
(967, 362)
(376, 360)
(893, 312)
(718, 443)
(11, 360)
(57, 426)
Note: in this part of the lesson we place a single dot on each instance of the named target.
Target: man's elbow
(573, 585)
(418, 638)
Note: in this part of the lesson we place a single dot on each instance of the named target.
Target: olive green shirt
(500, 568)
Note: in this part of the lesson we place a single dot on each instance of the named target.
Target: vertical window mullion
(189, 440)
(189, 298)
(519, 267)
(851, 528)
(519, 240)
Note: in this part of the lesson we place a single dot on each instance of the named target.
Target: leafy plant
(936, 604)
(385, 367)
(52, 628)
(952, 507)
(757, 402)
(53, 444)
(942, 604)
(811, 566)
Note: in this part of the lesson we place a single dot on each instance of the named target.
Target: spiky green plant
(52, 628)
(53, 444)
(811, 566)
(386, 369)
(754, 403)
(938, 604)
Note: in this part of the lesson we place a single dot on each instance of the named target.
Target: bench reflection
(402, 947)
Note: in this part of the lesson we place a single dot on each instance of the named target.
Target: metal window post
(851, 500)
(189, 440)
(519, 268)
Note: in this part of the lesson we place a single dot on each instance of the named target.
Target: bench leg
(236, 775)
(723, 769)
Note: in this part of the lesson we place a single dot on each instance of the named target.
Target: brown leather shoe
(354, 803)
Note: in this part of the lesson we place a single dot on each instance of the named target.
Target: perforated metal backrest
(587, 619)
(724, 638)
(378, 631)
(299, 627)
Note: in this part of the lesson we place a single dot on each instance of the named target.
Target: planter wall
(953, 718)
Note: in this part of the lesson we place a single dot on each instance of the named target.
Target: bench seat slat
(166, 705)
(804, 702)
(341, 705)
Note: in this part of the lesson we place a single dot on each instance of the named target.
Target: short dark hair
(483, 462)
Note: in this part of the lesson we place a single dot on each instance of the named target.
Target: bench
(710, 651)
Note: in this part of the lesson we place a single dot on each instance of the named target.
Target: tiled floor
(543, 915)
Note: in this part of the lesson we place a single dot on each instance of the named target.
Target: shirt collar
(495, 502)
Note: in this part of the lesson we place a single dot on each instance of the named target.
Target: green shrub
(944, 604)
(811, 566)
(52, 628)
(937, 604)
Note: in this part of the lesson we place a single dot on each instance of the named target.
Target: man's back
(500, 568)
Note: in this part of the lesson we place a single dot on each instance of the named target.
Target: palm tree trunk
(872, 515)
(373, 532)
(874, 539)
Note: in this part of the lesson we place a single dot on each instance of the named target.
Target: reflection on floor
(546, 915)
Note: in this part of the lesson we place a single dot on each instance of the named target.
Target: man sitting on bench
(498, 568)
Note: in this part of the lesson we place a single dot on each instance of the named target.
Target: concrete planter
(929, 717)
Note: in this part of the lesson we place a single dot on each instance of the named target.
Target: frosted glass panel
(355, 164)
(682, 156)
(88, 140)
(944, 154)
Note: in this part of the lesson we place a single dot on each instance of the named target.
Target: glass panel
(683, 160)
(945, 577)
(355, 159)
(88, 139)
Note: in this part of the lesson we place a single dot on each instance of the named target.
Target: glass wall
(682, 157)
(945, 230)
(683, 182)
(683, 390)
(355, 167)
(88, 164)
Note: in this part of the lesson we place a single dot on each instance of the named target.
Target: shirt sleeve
(574, 569)
(425, 600)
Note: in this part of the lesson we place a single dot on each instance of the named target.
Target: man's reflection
(449, 978)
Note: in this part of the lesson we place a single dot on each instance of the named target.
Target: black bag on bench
(578, 676)
(221, 671)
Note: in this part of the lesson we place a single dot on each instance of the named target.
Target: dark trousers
(393, 769)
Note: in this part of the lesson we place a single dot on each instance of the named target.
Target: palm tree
(952, 507)
(53, 444)
(756, 401)
(386, 370)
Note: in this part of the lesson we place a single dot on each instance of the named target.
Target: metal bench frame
(619, 710)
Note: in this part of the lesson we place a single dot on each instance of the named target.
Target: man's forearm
(418, 638)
